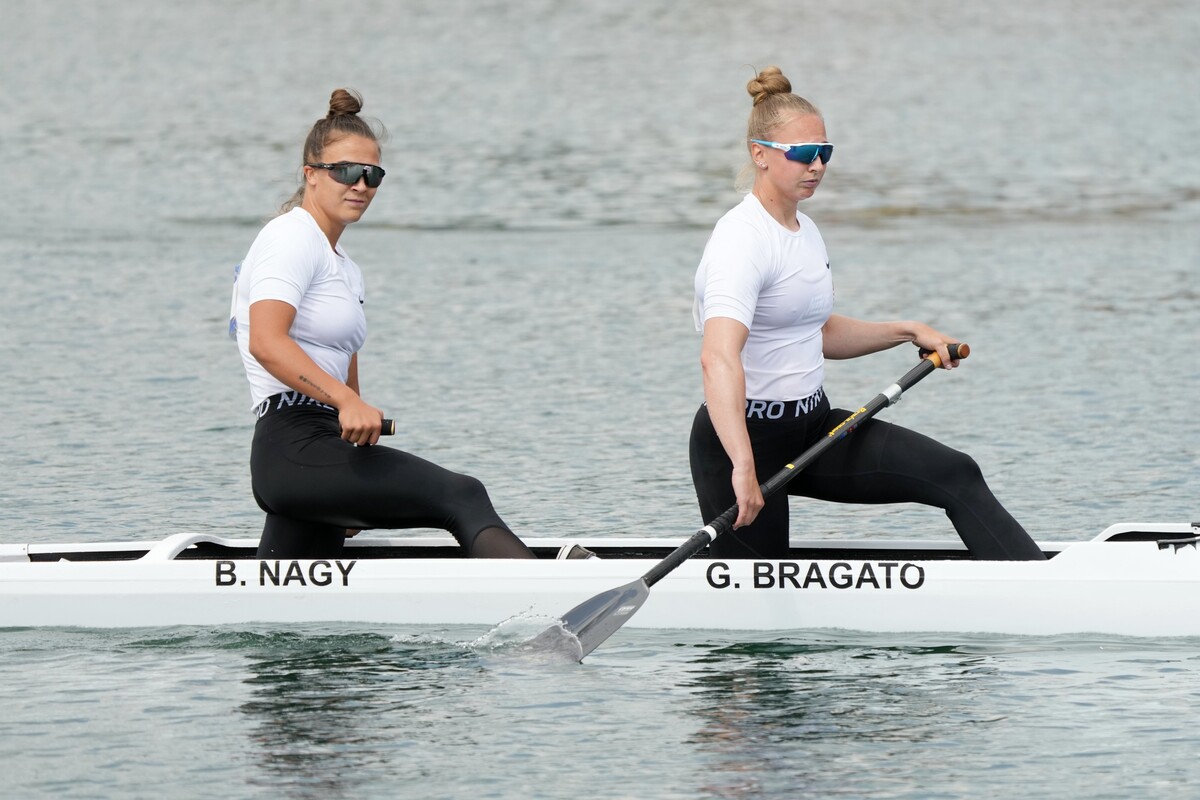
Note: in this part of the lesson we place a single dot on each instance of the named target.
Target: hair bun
(768, 82)
(344, 102)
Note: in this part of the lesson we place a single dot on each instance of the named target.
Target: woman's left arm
(846, 337)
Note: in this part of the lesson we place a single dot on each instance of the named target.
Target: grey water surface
(1022, 175)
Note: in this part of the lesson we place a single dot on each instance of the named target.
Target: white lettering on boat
(838, 575)
(286, 573)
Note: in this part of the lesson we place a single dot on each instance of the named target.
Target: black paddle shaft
(724, 523)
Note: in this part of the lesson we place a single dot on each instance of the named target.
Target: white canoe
(1132, 579)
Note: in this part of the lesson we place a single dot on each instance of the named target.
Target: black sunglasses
(350, 172)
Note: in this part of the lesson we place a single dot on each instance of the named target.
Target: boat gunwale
(190, 546)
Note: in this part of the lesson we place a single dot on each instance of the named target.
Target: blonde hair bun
(768, 82)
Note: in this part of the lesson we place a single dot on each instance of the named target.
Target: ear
(310, 175)
(758, 154)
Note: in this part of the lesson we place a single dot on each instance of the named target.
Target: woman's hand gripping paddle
(591, 622)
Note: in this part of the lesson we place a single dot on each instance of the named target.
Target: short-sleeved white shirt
(778, 284)
(291, 260)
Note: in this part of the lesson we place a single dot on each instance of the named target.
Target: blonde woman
(764, 303)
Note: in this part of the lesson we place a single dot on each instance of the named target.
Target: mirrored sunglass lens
(804, 153)
(807, 153)
(349, 174)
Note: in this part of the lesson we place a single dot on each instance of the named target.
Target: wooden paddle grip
(958, 351)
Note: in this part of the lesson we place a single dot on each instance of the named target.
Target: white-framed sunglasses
(805, 152)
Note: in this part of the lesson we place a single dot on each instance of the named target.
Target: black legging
(314, 485)
(877, 463)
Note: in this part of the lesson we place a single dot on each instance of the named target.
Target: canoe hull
(1137, 588)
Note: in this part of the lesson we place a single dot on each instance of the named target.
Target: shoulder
(296, 225)
(746, 218)
(295, 232)
(740, 241)
(291, 246)
(741, 229)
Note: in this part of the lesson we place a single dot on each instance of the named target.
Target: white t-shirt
(778, 284)
(291, 260)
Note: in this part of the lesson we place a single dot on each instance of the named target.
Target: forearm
(725, 396)
(846, 337)
(289, 364)
(279, 354)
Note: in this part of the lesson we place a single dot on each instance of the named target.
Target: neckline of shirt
(800, 219)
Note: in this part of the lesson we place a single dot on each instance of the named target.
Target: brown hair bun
(344, 102)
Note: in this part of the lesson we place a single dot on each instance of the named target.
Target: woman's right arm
(280, 355)
(725, 396)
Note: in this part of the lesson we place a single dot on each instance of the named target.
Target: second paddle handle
(958, 351)
(387, 427)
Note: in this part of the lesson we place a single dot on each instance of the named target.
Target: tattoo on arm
(322, 392)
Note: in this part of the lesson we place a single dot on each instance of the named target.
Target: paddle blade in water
(594, 620)
(554, 642)
(585, 627)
